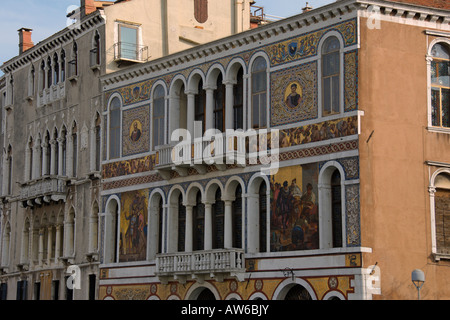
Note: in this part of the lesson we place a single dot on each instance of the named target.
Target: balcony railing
(44, 190)
(219, 150)
(124, 51)
(216, 263)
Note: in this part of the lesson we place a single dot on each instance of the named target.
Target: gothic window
(55, 69)
(49, 72)
(63, 66)
(440, 86)
(95, 51)
(158, 116)
(73, 64)
(74, 150)
(331, 75)
(259, 93)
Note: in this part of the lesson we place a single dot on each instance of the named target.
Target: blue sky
(47, 17)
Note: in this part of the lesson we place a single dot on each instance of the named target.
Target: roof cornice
(60, 38)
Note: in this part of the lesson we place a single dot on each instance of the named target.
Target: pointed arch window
(49, 72)
(440, 86)
(63, 66)
(55, 69)
(331, 66)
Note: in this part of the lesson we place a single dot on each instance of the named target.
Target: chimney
(307, 8)
(87, 7)
(25, 42)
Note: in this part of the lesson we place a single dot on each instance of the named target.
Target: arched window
(25, 255)
(42, 75)
(218, 216)
(442, 213)
(93, 229)
(112, 230)
(97, 132)
(219, 105)
(73, 64)
(74, 150)
(237, 218)
(114, 128)
(9, 173)
(63, 66)
(95, 51)
(336, 208)
(331, 75)
(238, 103)
(259, 93)
(55, 69)
(181, 224)
(160, 225)
(6, 244)
(49, 72)
(63, 147)
(262, 217)
(440, 86)
(198, 214)
(31, 80)
(158, 116)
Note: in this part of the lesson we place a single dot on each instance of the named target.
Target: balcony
(54, 93)
(46, 190)
(127, 52)
(199, 265)
(219, 151)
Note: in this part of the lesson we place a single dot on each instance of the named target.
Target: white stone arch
(231, 185)
(233, 296)
(258, 296)
(177, 109)
(155, 236)
(253, 213)
(210, 190)
(190, 197)
(330, 295)
(324, 201)
(432, 191)
(173, 297)
(112, 229)
(233, 67)
(195, 290)
(287, 284)
(194, 77)
(107, 125)
(325, 36)
(213, 73)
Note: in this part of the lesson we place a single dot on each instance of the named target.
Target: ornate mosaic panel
(294, 94)
(351, 81)
(132, 93)
(127, 167)
(136, 131)
(353, 215)
(306, 45)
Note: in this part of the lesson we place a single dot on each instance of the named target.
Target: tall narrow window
(128, 45)
(114, 128)
(74, 150)
(63, 66)
(440, 86)
(262, 217)
(73, 64)
(336, 209)
(442, 213)
(160, 225)
(31, 80)
(10, 168)
(218, 215)
(331, 75)
(158, 116)
(200, 105)
(181, 224)
(55, 69)
(238, 103)
(64, 152)
(98, 133)
(237, 218)
(42, 75)
(219, 105)
(259, 93)
(49, 72)
(198, 214)
(95, 51)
